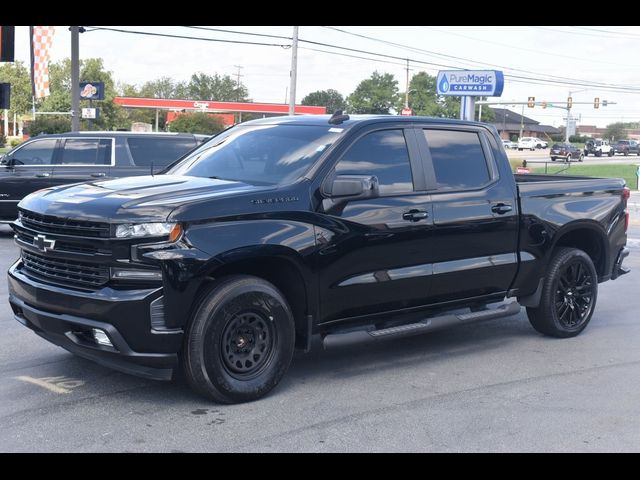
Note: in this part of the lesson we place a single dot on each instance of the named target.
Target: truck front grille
(64, 271)
(62, 226)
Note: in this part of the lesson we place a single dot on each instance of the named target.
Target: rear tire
(598, 153)
(581, 158)
(569, 294)
(610, 154)
(553, 159)
(240, 341)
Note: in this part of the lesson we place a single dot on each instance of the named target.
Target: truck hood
(132, 199)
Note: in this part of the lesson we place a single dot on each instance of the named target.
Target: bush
(197, 123)
(49, 124)
(557, 137)
(14, 142)
(3, 140)
(579, 138)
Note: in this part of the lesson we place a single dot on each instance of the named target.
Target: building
(509, 125)
(597, 132)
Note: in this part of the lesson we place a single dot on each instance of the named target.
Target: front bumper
(66, 318)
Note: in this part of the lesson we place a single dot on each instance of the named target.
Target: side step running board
(423, 326)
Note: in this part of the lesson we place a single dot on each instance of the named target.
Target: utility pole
(238, 75)
(75, 78)
(521, 122)
(406, 95)
(294, 72)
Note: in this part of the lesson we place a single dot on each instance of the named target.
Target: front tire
(240, 341)
(610, 154)
(569, 294)
(581, 158)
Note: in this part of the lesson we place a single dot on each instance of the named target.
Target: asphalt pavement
(494, 386)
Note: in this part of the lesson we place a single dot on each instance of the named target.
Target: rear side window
(383, 154)
(458, 159)
(86, 151)
(160, 151)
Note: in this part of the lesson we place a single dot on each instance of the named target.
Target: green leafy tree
(221, 88)
(163, 87)
(331, 99)
(375, 95)
(21, 94)
(198, 122)
(615, 131)
(91, 70)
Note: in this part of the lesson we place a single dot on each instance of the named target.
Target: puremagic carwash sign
(471, 83)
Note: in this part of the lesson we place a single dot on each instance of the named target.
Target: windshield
(259, 154)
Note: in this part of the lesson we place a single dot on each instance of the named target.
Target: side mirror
(353, 187)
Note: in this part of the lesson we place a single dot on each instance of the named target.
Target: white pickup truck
(531, 143)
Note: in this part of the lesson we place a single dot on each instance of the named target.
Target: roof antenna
(337, 118)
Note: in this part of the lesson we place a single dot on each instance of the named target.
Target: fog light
(101, 337)
(135, 274)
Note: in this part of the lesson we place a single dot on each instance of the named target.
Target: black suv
(626, 147)
(51, 160)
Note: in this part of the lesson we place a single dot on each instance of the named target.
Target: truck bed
(543, 185)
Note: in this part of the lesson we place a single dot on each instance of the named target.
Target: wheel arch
(589, 237)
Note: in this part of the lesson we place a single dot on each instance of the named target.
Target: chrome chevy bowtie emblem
(43, 243)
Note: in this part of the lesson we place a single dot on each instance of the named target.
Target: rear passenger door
(83, 159)
(474, 213)
(154, 151)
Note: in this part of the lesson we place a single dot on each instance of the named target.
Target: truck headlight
(138, 230)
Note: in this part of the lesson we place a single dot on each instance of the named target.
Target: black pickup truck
(281, 230)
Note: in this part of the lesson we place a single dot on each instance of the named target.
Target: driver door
(28, 168)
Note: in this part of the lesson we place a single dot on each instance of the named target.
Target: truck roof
(323, 120)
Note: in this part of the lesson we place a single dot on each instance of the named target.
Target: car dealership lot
(497, 386)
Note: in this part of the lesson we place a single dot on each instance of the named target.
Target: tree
(331, 99)
(197, 123)
(375, 95)
(91, 70)
(424, 100)
(615, 131)
(163, 87)
(21, 94)
(221, 88)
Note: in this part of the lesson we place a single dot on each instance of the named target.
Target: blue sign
(470, 83)
(91, 90)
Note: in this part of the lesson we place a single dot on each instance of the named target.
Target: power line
(590, 60)
(399, 45)
(523, 79)
(187, 37)
(605, 31)
(222, 30)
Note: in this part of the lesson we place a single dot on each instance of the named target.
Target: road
(543, 155)
(497, 386)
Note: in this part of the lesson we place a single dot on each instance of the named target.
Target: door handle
(42, 175)
(415, 215)
(99, 175)
(501, 208)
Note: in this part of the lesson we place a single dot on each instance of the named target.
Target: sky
(585, 55)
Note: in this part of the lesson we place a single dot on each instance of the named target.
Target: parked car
(283, 229)
(626, 147)
(51, 160)
(531, 143)
(598, 147)
(565, 152)
(508, 144)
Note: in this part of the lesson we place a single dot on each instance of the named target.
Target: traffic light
(7, 42)
(531, 102)
(596, 102)
(5, 96)
(569, 102)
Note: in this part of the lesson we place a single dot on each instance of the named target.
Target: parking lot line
(44, 384)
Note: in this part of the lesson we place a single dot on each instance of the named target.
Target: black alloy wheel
(569, 294)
